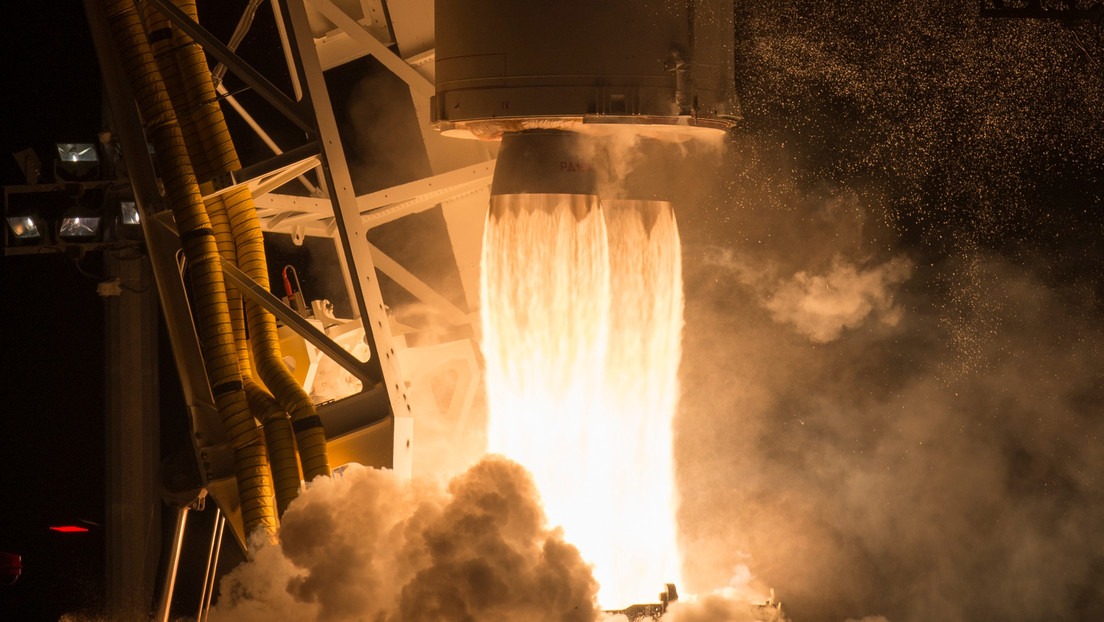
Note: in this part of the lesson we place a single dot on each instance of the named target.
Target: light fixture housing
(11, 567)
(128, 213)
(80, 225)
(76, 228)
(126, 220)
(27, 221)
(26, 227)
(77, 161)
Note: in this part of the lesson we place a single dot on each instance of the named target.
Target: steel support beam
(381, 52)
(339, 187)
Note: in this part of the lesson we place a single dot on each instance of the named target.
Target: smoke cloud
(893, 347)
(742, 599)
(821, 306)
(876, 476)
(366, 546)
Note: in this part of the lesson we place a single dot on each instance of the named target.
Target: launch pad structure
(396, 350)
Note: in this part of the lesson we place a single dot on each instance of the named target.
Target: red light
(69, 529)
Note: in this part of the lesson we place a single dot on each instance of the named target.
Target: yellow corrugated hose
(281, 444)
(264, 339)
(212, 315)
(279, 437)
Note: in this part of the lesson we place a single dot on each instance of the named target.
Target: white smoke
(820, 305)
(943, 467)
(877, 473)
(744, 599)
(367, 546)
(722, 605)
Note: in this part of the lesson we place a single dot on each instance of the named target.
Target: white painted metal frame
(460, 190)
(333, 211)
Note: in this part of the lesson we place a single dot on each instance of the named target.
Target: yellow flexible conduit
(279, 437)
(211, 309)
(263, 336)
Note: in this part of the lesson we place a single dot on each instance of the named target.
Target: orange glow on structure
(582, 320)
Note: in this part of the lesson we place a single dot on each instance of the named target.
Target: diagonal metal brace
(299, 324)
(366, 372)
(284, 104)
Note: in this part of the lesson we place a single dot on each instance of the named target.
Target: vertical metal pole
(211, 589)
(133, 525)
(174, 563)
(210, 555)
(286, 46)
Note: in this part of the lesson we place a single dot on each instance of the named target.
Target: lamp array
(80, 207)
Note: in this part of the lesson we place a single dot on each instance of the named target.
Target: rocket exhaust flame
(582, 320)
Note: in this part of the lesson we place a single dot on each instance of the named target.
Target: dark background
(971, 146)
(52, 444)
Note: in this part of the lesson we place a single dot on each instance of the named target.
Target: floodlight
(77, 160)
(79, 224)
(24, 227)
(128, 213)
(77, 152)
(79, 227)
(126, 218)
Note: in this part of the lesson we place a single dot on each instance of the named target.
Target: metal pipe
(174, 563)
(210, 555)
(244, 24)
(289, 58)
(205, 607)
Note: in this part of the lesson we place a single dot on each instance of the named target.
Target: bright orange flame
(582, 320)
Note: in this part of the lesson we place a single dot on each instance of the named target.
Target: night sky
(893, 397)
(53, 388)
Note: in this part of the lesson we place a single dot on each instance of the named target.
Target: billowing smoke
(742, 599)
(822, 306)
(892, 379)
(366, 546)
